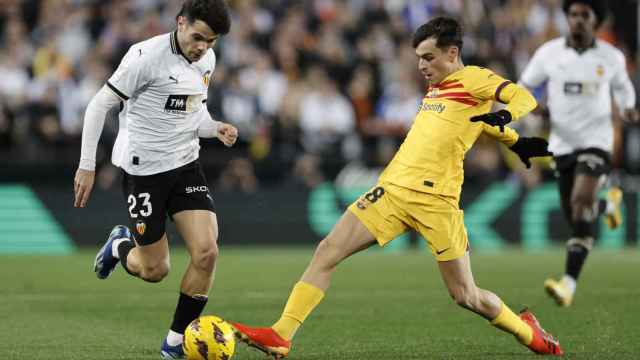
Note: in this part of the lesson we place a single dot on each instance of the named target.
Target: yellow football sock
(511, 323)
(303, 299)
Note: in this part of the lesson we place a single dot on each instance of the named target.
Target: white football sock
(174, 339)
(114, 247)
(569, 283)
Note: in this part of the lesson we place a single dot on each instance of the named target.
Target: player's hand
(631, 116)
(528, 147)
(82, 185)
(499, 118)
(228, 134)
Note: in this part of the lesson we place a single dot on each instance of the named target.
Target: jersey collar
(175, 47)
(580, 51)
(448, 79)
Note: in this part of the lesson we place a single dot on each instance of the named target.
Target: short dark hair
(214, 13)
(446, 30)
(599, 8)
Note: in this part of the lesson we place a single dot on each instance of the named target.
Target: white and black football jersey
(579, 88)
(164, 101)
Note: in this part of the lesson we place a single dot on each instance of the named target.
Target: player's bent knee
(327, 254)
(583, 207)
(154, 273)
(205, 258)
(465, 297)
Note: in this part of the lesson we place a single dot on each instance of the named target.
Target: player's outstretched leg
(459, 280)
(542, 343)
(276, 340)
(264, 339)
(107, 258)
(347, 237)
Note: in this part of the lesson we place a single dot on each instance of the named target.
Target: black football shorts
(151, 198)
(592, 161)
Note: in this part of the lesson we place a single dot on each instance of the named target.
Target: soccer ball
(209, 338)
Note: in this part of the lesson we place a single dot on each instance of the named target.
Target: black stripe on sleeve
(118, 92)
(172, 41)
(499, 89)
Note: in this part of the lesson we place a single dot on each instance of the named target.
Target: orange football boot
(543, 343)
(264, 339)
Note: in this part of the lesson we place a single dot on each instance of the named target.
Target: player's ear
(182, 22)
(452, 53)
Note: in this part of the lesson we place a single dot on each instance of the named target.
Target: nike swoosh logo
(441, 251)
(174, 79)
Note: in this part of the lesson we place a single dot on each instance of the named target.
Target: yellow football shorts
(388, 210)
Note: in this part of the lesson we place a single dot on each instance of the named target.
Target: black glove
(528, 147)
(499, 118)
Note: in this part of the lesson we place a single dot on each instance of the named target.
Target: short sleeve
(131, 75)
(622, 87)
(534, 73)
(487, 85)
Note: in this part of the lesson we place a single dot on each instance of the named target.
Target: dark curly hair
(599, 8)
(214, 13)
(446, 30)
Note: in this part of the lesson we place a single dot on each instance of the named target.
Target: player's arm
(535, 75)
(519, 103)
(623, 92)
(94, 119)
(131, 75)
(518, 99)
(210, 128)
(507, 137)
(524, 147)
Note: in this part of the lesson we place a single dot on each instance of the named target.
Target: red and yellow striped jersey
(430, 158)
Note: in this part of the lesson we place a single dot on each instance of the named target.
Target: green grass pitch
(380, 306)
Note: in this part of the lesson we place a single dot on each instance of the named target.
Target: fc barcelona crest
(206, 77)
(141, 227)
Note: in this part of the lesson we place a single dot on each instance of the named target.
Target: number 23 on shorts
(145, 207)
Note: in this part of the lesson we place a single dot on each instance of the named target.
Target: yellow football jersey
(431, 156)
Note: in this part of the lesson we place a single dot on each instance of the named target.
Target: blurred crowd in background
(319, 89)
